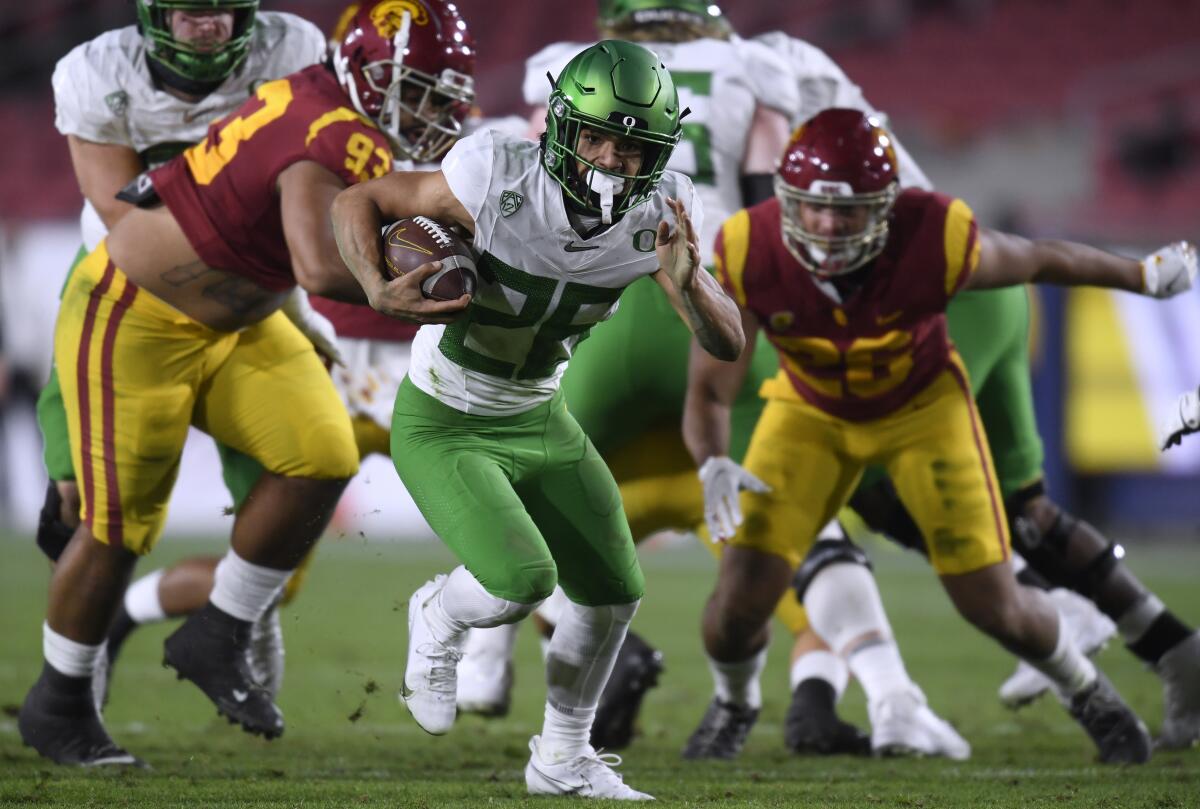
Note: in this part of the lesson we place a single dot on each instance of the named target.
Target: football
(409, 243)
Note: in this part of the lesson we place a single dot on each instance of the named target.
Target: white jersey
(722, 82)
(104, 92)
(541, 286)
(822, 84)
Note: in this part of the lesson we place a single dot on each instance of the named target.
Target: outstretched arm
(358, 215)
(709, 313)
(1008, 260)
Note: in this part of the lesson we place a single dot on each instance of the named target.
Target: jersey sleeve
(350, 148)
(288, 43)
(550, 59)
(730, 253)
(468, 168)
(960, 237)
(88, 103)
(769, 76)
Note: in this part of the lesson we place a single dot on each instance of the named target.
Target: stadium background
(1078, 118)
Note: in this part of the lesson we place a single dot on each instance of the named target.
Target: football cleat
(902, 724)
(590, 775)
(264, 656)
(1179, 669)
(812, 726)
(485, 674)
(429, 689)
(59, 720)
(1090, 630)
(635, 672)
(211, 649)
(1113, 726)
(722, 732)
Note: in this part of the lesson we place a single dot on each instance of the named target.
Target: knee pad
(1046, 550)
(52, 533)
(823, 553)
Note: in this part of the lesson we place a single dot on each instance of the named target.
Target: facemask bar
(829, 256)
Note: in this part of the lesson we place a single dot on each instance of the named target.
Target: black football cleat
(210, 650)
(635, 672)
(812, 727)
(59, 720)
(722, 732)
(1114, 727)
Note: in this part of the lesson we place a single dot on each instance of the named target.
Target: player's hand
(1169, 270)
(1184, 418)
(723, 479)
(313, 325)
(677, 249)
(402, 298)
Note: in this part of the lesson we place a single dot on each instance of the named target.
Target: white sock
(581, 657)
(739, 682)
(821, 665)
(1134, 622)
(879, 669)
(67, 656)
(551, 609)
(142, 601)
(1066, 666)
(495, 641)
(245, 590)
(464, 604)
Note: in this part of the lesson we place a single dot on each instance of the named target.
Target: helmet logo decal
(387, 16)
(831, 188)
(510, 203)
(558, 108)
(629, 121)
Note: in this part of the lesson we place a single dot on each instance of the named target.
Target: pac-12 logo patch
(510, 203)
(117, 102)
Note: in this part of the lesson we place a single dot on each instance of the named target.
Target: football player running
(435, 92)
(481, 437)
(869, 377)
(174, 320)
(629, 401)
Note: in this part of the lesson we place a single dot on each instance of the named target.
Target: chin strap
(605, 185)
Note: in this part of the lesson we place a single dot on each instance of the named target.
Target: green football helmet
(620, 88)
(179, 63)
(641, 12)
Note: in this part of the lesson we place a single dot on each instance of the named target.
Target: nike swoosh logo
(240, 696)
(195, 115)
(883, 320)
(571, 247)
(405, 691)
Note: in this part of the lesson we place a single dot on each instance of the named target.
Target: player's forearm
(713, 318)
(1074, 264)
(356, 227)
(705, 424)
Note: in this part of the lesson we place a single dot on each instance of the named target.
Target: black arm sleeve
(755, 188)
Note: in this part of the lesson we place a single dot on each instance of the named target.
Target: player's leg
(307, 452)
(459, 469)
(127, 419)
(791, 440)
(938, 448)
(577, 507)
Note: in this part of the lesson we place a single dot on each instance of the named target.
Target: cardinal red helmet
(836, 185)
(408, 65)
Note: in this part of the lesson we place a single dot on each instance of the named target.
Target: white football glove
(313, 325)
(1184, 418)
(723, 479)
(1169, 270)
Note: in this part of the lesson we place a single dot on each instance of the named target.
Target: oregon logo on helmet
(387, 16)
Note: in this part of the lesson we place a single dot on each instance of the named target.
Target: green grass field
(349, 743)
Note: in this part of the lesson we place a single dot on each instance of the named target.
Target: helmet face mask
(836, 186)
(625, 16)
(190, 67)
(619, 90)
(408, 65)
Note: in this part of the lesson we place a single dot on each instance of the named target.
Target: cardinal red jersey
(223, 190)
(866, 356)
(361, 322)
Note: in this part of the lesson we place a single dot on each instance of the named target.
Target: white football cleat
(902, 724)
(485, 675)
(265, 654)
(1179, 669)
(428, 690)
(1089, 628)
(590, 775)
